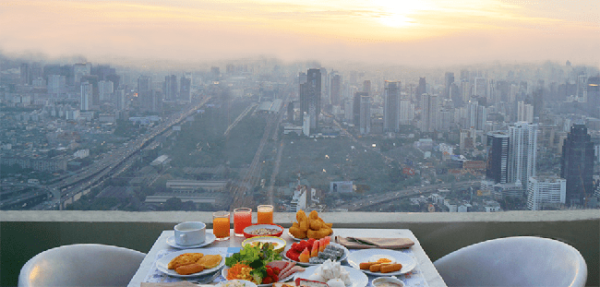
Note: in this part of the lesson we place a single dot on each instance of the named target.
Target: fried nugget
(366, 265)
(296, 232)
(210, 261)
(375, 267)
(300, 215)
(387, 268)
(189, 269)
(315, 224)
(314, 215)
(184, 259)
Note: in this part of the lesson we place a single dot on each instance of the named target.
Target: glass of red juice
(242, 218)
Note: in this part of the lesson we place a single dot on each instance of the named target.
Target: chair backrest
(81, 265)
(514, 261)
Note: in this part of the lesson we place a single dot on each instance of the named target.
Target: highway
(116, 161)
(369, 201)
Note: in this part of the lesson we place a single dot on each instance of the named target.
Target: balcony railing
(27, 233)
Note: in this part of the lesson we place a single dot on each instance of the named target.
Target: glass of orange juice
(221, 224)
(242, 218)
(265, 214)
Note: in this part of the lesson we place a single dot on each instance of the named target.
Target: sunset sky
(428, 32)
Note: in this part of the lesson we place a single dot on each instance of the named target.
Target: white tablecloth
(423, 275)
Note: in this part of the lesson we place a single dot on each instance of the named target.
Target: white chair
(514, 261)
(81, 265)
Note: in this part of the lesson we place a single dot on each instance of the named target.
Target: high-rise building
(497, 156)
(577, 164)
(105, 90)
(476, 115)
(430, 108)
(170, 88)
(448, 81)
(422, 88)
(185, 89)
(481, 87)
(310, 96)
(407, 112)
(524, 112)
(356, 107)
(593, 96)
(56, 84)
(367, 87)
(25, 74)
(522, 152)
(143, 85)
(365, 114)
(86, 96)
(336, 89)
(391, 108)
(545, 191)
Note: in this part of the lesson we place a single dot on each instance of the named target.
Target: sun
(397, 12)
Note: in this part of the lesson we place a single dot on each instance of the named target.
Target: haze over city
(416, 33)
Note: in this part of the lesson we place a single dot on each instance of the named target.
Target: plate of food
(333, 274)
(191, 262)
(381, 262)
(277, 242)
(259, 264)
(314, 252)
(263, 230)
(311, 226)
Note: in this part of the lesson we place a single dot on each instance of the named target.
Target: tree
(173, 203)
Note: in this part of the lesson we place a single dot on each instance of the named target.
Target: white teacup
(190, 233)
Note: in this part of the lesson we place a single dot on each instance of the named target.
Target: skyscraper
(448, 81)
(365, 114)
(522, 152)
(310, 96)
(524, 112)
(170, 88)
(497, 156)
(105, 90)
(429, 112)
(577, 164)
(367, 86)
(593, 96)
(422, 88)
(336, 89)
(407, 112)
(143, 85)
(86, 96)
(356, 107)
(391, 116)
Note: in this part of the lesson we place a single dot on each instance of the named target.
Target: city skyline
(378, 31)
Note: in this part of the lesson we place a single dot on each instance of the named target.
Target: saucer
(210, 238)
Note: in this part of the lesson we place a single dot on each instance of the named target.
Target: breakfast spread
(311, 226)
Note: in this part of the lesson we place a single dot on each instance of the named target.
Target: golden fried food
(315, 224)
(311, 226)
(300, 215)
(184, 259)
(296, 225)
(387, 268)
(366, 265)
(375, 267)
(296, 232)
(189, 269)
(210, 261)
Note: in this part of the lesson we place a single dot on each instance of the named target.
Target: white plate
(247, 283)
(278, 242)
(300, 239)
(224, 273)
(344, 257)
(163, 263)
(370, 255)
(358, 278)
(210, 238)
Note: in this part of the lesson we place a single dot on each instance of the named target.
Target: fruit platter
(314, 252)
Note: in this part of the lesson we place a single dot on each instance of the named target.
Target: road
(372, 200)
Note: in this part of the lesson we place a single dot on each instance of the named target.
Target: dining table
(423, 275)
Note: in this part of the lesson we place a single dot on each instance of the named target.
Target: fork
(208, 279)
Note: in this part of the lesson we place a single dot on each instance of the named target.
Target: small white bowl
(380, 280)
(247, 283)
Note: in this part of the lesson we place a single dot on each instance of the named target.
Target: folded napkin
(368, 242)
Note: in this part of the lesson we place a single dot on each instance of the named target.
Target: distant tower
(391, 117)
(143, 85)
(365, 114)
(310, 96)
(593, 96)
(524, 112)
(577, 164)
(542, 191)
(522, 152)
(429, 112)
(86, 96)
(356, 108)
(170, 88)
(336, 90)
(367, 86)
(497, 161)
(185, 89)
(25, 73)
(448, 81)
(422, 88)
